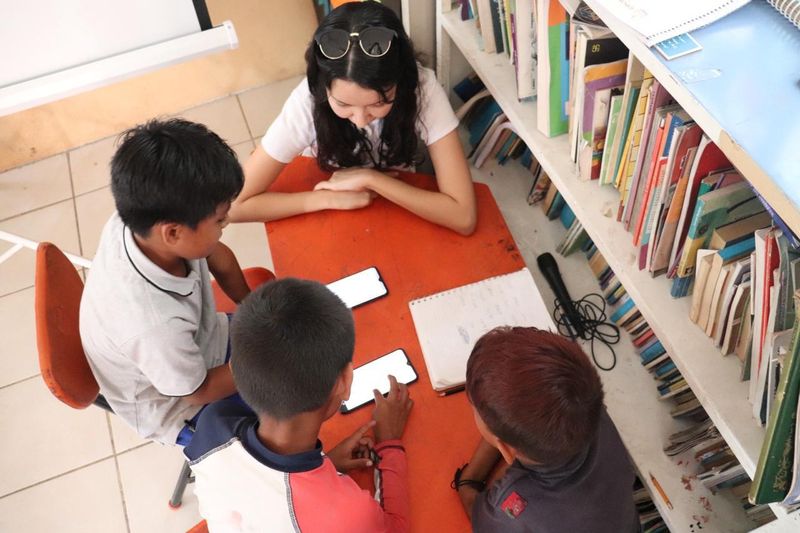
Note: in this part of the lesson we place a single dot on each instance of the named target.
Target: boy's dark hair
(536, 391)
(340, 144)
(290, 340)
(172, 171)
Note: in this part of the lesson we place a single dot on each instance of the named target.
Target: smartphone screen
(375, 375)
(359, 288)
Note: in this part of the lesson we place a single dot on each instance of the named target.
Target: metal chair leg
(184, 478)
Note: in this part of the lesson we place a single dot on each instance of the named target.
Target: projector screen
(54, 48)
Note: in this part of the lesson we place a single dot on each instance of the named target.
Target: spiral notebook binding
(789, 9)
(461, 288)
(693, 22)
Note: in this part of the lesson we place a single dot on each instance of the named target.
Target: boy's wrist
(463, 478)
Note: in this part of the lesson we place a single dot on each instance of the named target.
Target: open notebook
(448, 323)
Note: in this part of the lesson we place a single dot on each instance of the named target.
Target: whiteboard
(54, 48)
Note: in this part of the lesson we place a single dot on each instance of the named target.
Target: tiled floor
(85, 471)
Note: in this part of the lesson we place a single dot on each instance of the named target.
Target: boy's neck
(288, 437)
(165, 260)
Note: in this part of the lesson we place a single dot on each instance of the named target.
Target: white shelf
(631, 397)
(713, 378)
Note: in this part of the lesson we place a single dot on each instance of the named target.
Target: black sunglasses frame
(390, 34)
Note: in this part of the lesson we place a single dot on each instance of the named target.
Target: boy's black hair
(172, 171)
(290, 341)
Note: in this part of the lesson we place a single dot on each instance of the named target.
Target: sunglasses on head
(374, 41)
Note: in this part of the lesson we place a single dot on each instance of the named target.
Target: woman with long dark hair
(361, 111)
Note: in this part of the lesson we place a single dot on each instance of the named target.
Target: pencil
(453, 390)
(661, 492)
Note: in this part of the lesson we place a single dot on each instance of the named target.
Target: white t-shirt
(149, 336)
(293, 132)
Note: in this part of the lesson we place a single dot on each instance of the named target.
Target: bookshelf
(713, 378)
(630, 390)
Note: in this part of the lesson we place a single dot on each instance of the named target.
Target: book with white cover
(449, 323)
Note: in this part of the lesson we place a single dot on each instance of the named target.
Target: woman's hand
(344, 200)
(352, 179)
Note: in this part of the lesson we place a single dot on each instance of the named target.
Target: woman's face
(357, 104)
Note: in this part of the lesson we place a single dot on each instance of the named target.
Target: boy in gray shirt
(538, 403)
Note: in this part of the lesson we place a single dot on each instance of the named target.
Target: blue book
(665, 368)
(482, 120)
(624, 307)
(681, 286)
(655, 350)
(567, 217)
(556, 207)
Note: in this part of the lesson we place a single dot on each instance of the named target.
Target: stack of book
(507, 27)
(650, 520)
(716, 467)
(491, 134)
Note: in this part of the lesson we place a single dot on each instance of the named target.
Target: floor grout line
(74, 203)
(29, 211)
(119, 474)
(15, 291)
(244, 116)
(23, 380)
(32, 485)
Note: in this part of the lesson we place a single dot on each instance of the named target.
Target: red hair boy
(538, 403)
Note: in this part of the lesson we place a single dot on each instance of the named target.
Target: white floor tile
(125, 437)
(94, 209)
(243, 150)
(249, 243)
(44, 437)
(55, 224)
(18, 358)
(148, 477)
(223, 117)
(86, 500)
(33, 186)
(262, 104)
(90, 165)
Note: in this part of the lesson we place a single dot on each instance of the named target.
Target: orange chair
(65, 370)
(200, 527)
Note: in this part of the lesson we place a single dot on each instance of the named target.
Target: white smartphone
(359, 288)
(375, 375)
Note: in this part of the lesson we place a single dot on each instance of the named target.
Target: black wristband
(458, 482)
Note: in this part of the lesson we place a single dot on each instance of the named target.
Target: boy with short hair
(538, 403)
(292, 358)
(148, 321)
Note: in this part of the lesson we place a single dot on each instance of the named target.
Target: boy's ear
(508, 452)
(344, 382)
(169, 232)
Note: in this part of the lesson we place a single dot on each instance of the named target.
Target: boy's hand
(391, 413)
(354, 451)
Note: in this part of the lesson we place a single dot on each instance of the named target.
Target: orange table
(415, 259)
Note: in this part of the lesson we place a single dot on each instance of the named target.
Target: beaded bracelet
(458, 482)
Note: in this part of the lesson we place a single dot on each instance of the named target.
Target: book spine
(774, 470)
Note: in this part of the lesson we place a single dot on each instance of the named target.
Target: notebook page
(449, 323)
(657, 20)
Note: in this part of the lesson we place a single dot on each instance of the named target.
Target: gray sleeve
(487, 517)
(169, 358)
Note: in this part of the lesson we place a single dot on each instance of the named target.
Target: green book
(613, 121)
(713, 209)
(774, 471)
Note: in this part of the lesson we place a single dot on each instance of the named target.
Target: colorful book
(772, 479)
(552, 28)
(714, 209)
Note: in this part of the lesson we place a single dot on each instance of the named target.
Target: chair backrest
(57, 304)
